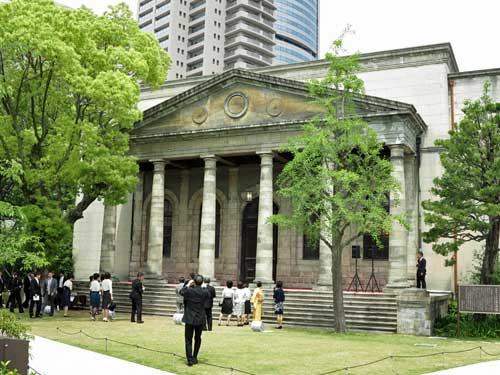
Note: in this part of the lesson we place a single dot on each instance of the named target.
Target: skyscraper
(297, 29)
(208, 36)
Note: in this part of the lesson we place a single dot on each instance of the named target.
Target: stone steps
(364, 311)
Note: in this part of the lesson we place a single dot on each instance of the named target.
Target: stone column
(108, 241)
(325, 266)
(206, 265)
(180, 252)
(232, 219)
(155, 242)
(412, 215)
(135, 257)
(264, 262)
(398, 236)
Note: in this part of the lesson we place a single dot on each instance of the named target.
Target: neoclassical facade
(209, 154)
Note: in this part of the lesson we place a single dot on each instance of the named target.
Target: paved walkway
(54, 358)
(486, 368)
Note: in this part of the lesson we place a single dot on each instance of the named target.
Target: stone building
(208, 149)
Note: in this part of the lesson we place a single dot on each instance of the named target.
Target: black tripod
(372, 281)
(356, 282)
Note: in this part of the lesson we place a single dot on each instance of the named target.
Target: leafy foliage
(468, 192)
(69, 89)
(337, 173)
(469, 326)
(12, 327)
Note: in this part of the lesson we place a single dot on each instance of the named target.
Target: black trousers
(1, 300)
(136, 309)
(421, 280)
(27, 298)
(15, 300)
(189, 330)
(38, 305)
(59, 298)
(208, 313)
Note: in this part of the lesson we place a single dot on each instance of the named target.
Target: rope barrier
(346, 368)
(33, 371)
(137, 346)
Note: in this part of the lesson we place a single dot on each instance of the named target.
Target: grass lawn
(289, 351)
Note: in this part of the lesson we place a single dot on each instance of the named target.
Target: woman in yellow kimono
(257, 301)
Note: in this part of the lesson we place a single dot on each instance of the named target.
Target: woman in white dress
(239, 304)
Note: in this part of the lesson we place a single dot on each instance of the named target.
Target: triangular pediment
(239, 99)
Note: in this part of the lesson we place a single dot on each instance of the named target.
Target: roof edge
(475, 73)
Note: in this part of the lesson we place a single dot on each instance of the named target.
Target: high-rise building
(205, 37)
(297, 29)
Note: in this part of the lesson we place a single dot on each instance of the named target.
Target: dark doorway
(249, 241)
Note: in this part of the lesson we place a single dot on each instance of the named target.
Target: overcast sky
(472, 27)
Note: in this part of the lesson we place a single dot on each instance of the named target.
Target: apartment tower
(206, 37)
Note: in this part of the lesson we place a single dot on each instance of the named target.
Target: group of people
(34, 292)
(195, 300)
(101, 295)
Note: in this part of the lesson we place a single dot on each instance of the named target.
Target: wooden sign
(479, 299)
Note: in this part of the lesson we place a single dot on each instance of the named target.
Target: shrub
(486, 327)
(12, 327)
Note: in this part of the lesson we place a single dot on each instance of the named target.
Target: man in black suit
(15, 286)
(60, 288)
(36, 296)
(421, 270)
(209, 303)
(27, 289)
(136, 297)
(50, 292)
(194, 317)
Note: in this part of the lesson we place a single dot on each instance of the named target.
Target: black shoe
(194, 361)
(189, 363)
(140, 322)
(132, 321)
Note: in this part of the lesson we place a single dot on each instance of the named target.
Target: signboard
(479, 299)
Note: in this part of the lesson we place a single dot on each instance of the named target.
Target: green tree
(467, 204)
(69, 90)
(337, 179)
(20, 249)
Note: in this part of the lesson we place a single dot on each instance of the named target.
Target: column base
(323, 286)
(396, 288)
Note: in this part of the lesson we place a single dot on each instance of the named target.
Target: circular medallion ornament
(236, 105)
(274, 107)
(199, 115)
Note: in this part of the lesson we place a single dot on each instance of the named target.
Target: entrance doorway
(249, 241)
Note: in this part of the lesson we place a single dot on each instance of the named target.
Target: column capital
(397, 151)
(159, 165)
(210, 161)
(208, 157)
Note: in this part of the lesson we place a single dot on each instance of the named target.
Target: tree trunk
(490, 257)
(338, 295)
(76, 213)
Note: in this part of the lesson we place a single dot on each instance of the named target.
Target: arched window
(217, 230)
(310, 251)
(370, 248)
(167, 229)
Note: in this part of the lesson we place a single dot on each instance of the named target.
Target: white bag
(36, 297)
(46, 309)
(257, 326)
(177, 317)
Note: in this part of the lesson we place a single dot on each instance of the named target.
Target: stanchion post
(106, 343)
